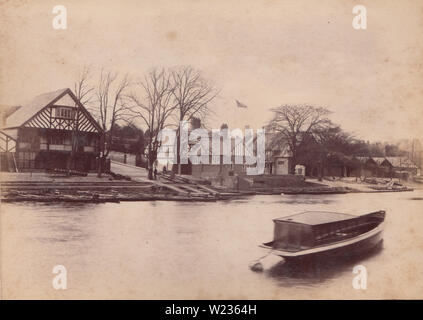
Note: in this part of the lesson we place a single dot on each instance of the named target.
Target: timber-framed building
(53, 131)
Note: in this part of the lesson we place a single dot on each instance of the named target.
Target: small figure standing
(155, 173)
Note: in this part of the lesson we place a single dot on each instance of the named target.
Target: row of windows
(56, 139)
(67, 113)
(62, 139)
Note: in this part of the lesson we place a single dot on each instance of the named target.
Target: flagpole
(239, 105)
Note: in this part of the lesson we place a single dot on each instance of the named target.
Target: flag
(240, 105)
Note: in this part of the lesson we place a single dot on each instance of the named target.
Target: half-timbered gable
(50, 130)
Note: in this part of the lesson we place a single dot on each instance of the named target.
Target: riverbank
(369, 185)
(135, 186)
(114, 187)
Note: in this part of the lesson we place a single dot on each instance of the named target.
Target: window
(281, 162)
(57, 139)
(66, 113)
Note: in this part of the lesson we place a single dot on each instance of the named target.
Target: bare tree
(82, 88)
(154, 108)
(295, 124)
(110, 107)
(84, 93)
(192, 94)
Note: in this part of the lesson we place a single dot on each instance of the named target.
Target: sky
(262, 53)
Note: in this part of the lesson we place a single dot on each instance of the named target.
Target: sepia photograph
(211, 150)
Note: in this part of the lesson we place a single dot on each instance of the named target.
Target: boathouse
(53, 131)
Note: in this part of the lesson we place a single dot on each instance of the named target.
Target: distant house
(368, 167)
(400, 165)
(339, 165)
(387, 167)
(47, 132)
(278, 162)
(378, 160)
(278, 156)
(216, 167)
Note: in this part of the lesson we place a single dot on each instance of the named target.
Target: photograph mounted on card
(203, 150)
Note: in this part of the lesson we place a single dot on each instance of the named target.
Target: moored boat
(318, 233)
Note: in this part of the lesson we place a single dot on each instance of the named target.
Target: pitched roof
(362, 159)
(378, 160)
(401, 162)
(21, 115)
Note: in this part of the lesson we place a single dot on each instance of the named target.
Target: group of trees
(159, 99)
(164, 97)
(128, 138)
(309, 133)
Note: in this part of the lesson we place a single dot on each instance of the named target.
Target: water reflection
(58, 222)
(311, 272)
(307, 201)
(180, 250)
(290, 200)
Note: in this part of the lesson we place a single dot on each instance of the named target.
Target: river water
(168, 250)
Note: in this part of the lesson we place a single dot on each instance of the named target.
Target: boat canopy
(311, 228)
(314, 218)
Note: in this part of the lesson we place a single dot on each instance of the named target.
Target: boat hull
(344, 249)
